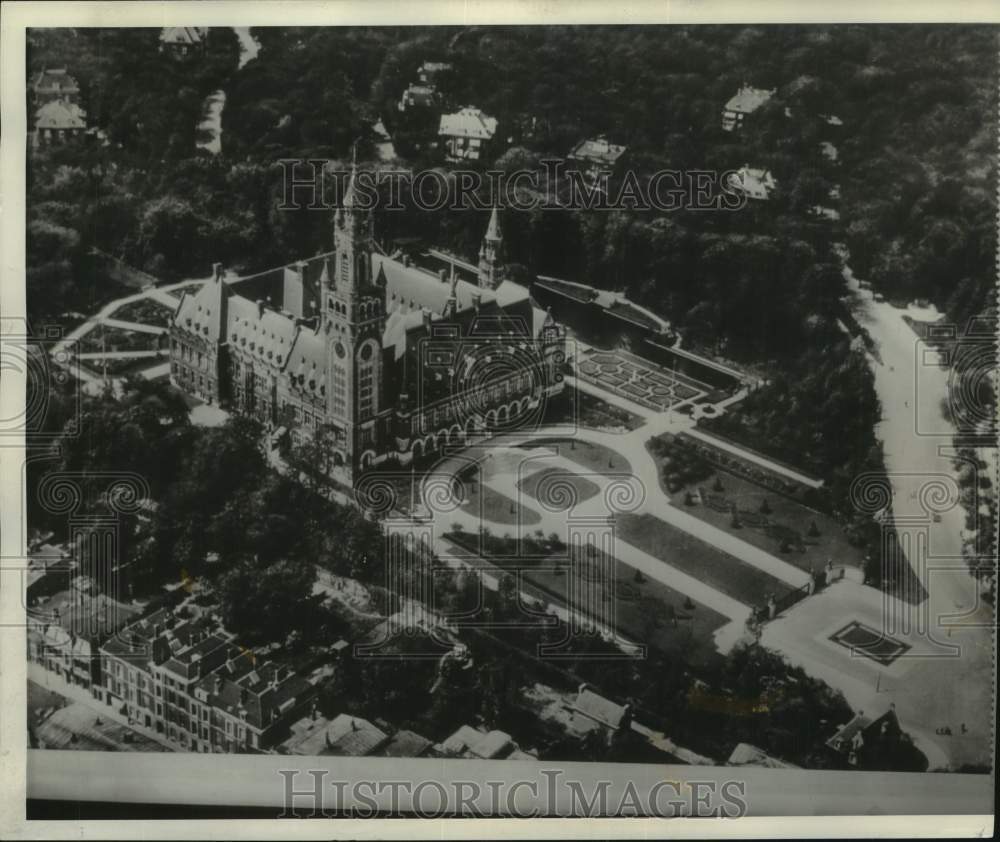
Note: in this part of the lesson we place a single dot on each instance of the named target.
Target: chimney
(354, 724)
(243, 695)
(217, 271)
(427, 317)
(583, 687)
(300, 267)
(442, 276)
(406, 260)
(217, 684)
(477, 299)
(260, 307)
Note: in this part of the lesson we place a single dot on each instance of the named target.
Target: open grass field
(556, 490)
(593, 457)
(488, 505)
(725, 573)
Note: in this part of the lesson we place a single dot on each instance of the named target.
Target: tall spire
(349, 192)
(493, 231)
(489, 253)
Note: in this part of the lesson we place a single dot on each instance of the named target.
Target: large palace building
(390, 360)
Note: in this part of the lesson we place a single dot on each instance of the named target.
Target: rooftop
(352, 736)
(468, 122)
(749, 755)
(601, 710)
(756, 183)
(597, 150)
(83, 614)
(54, 80)
(258, 692)
(60, 114)
(748, 100)
(406, 744)
(183, 34)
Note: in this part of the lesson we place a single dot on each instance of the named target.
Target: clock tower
(353, 321)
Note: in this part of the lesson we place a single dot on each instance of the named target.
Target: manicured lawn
(594, 457)
(558, 490)
(724, 572)
(646, 611)
(787, 523)
(493, 507)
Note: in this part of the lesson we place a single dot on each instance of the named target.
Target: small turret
(489, 254)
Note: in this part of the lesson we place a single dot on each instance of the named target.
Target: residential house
(57, 121)
(595, 158)
(65, 632)
(247, 705)
(344, 736)
(467, 134)
(746, 101)
(190, 681)
(423, 93)
(757, 184)
(406, 744)
(852, 737)
(429, 71)
(480, 744)
(152, 666)
(183, 40)
(54, 84)
(591, 711)
(419, 96)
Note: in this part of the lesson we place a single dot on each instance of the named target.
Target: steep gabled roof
(204, 312)
(60, 114)
(409, 288)
(183, 35)
(55, 80)
(261, 331)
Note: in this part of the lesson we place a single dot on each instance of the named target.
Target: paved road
(933, 685)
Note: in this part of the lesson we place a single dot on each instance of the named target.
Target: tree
(265, 604)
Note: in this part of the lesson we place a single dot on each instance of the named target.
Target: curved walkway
(650, 498)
